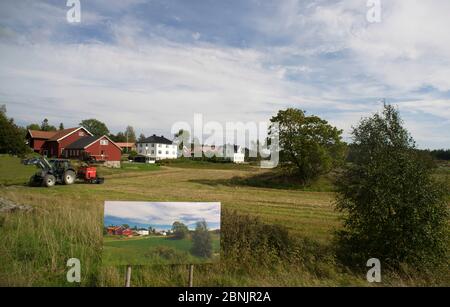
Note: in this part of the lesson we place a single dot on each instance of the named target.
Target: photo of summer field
(162, 233)
(295, 143)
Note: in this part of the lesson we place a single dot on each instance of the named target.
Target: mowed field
(67, 223)
(153, 250)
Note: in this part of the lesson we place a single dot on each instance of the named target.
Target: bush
(394, 210)
(202, 241)
(245, 239)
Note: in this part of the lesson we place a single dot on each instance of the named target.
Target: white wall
(157, 151)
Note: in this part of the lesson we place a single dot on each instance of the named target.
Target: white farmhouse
(157, 148)
(235, 153)
(143, 232)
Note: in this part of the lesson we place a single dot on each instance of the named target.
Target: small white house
(157, 148)
(143, 232)
(235, 153)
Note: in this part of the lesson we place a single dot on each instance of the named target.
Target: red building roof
(37, 134)
(63, 133)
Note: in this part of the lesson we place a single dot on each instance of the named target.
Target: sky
(153, 63)
(161, 216)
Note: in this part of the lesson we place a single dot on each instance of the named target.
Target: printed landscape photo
(225, 143)
(151, 233)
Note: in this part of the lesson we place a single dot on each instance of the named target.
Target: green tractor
(51, 172)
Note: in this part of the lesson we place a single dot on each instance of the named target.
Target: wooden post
(191, 275)
(128, 277)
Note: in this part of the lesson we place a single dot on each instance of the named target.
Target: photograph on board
(158, 233)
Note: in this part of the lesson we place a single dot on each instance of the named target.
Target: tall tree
(393, 208)
(130, 135)
(95, 127)
(61, 126)
(179, 230)
(119, 137)
(202, 241)
(12, 139)
(309, 145)
(141, 137)
(45, 126)
(182, 138)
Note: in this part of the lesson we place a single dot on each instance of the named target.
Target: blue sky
(161, 216)
(153, 63)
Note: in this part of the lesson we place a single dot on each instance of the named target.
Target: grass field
(152, 250)
(67, 222)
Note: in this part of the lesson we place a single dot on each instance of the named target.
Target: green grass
(12, 172)
(67, 222)
(197, 164)
(143, 251)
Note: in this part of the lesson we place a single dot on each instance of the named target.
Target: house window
(153, 152)
(153, 145)
(167, 152)
(104, 142)
(159, 152)
(80, 133)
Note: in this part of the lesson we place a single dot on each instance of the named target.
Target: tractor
(51, 172)
(60, 171)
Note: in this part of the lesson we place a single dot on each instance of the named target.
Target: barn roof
(154, 139)
(83, 142)
(86, 141)
(66, 132)
(37, 134)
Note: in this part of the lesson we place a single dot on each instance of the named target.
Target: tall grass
(269, 237)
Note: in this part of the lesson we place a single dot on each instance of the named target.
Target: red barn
(36, 139)
(52, 143)
(94, 147)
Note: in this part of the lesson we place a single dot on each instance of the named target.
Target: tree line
(12, 136)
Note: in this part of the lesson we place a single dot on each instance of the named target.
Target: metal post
(191, 275)
(128, 277)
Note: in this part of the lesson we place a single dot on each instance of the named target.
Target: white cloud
(164, 213)
(321, 56)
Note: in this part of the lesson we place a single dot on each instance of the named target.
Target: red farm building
(119, 231)
(53, 143)
(101, 149)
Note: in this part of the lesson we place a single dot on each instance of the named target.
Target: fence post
(128, 277)
(191, 275)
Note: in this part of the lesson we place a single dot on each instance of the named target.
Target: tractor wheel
(49, 181)
(69, 177)
(32, 182)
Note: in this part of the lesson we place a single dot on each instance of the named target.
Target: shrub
(202, 241)
(394, 210)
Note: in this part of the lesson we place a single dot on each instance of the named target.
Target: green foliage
(202, 241)
(141, 137)
(33, 127)
(182, 138)
(12, 138)
(45, 126)
(179, 230)
(119, 137)
(95, 127)
(245, 238)
(309, 146)
(394, 210)
(130, 135)
(61, 126)
(132, 155)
